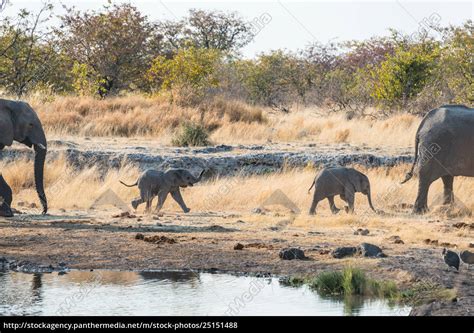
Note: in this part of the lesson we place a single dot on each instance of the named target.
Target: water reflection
(169, 293)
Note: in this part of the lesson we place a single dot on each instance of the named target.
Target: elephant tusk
(40, 145)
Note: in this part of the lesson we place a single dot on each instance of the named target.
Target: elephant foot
(186, 210)
(420, 210)
(312, 212)
(4, 213)
(335, 211)
(134, 204)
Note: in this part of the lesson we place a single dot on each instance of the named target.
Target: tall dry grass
(67, 189)
(135, 115)
(230, 122)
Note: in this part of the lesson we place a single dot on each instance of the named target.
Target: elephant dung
(292, 253)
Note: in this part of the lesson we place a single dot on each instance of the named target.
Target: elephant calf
(341, 181)
(5, 198)
(153, 183)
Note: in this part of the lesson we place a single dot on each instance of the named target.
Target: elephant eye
(30, 125)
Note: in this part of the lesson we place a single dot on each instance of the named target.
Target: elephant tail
(132, 185)
(309, 190)
(410, 173)
(369, 198)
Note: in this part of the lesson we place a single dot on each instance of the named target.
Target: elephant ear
(175, 177)
(6, 126)
(356, 184)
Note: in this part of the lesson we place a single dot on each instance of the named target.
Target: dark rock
(344, 251)
(292, 253)
(139, 236)
(238, 246)
(370, 251)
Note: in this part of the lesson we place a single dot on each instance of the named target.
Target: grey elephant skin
(444, 148)
(5, 198)
(153, 183)
(341, 181)
(19, 122)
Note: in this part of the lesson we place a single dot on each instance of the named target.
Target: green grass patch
(191, 134)
(354, 282)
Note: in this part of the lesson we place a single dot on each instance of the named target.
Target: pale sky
(292, 25)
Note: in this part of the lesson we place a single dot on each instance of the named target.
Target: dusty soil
(106, 239)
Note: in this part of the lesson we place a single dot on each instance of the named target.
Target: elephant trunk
(370, 200)
(40, 157)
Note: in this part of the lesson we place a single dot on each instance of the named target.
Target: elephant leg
(176, 194)
(448, 196)
(333, 207)
(349, 195)
(161, 200)
(148, 204)
(421, 202)
(316, 198)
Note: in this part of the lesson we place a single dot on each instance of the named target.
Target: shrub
(191, 134)
(352, 281)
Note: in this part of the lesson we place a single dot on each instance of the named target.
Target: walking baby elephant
(153, 183)
(344, 182)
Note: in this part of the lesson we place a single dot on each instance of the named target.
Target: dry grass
(69, 189)
(230, 122)
(134, 115)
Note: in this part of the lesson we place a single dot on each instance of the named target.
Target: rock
(370, 251)
(33, 205)
(471, 245)
(363, 232)
(139, 236)
(292, 253)
(238, 246)
(344, 251)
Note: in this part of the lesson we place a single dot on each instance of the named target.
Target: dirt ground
(204, 241)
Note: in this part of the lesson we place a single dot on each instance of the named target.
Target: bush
(191, 135)
(188, 76)
(352, 281)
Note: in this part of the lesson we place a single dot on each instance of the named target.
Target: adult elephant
(444, 148)
(19, 122)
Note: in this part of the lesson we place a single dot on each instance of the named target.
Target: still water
(170, 293)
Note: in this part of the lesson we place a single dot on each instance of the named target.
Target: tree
(28, 56)
(210, 30)
(403, 75)
(117, 45)
(189, 75)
